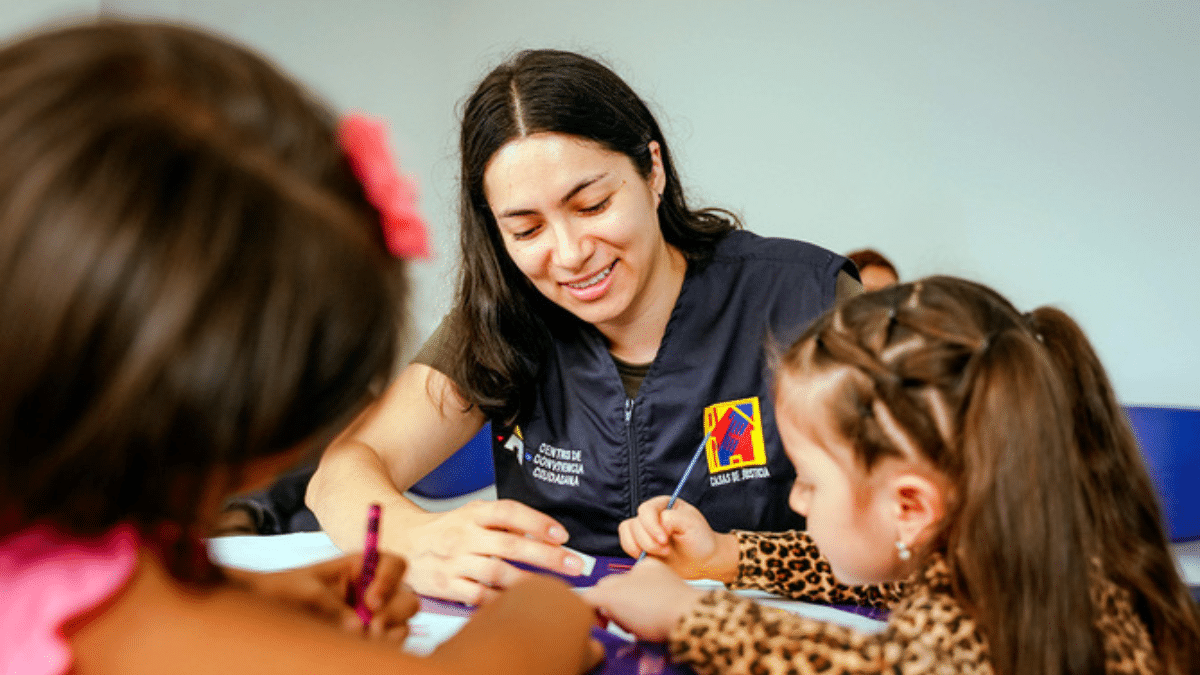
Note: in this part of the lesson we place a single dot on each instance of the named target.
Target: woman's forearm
(382, 453)
(351, 477)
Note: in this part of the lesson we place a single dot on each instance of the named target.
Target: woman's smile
(594, 286)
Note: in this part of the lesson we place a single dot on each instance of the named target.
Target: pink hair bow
(364, 141)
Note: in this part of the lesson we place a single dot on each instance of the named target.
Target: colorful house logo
(736, 439)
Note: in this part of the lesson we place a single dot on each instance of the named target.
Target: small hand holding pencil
(381, 603)
(680, 536)
(670, 503)
(651, 597)
(360, 594)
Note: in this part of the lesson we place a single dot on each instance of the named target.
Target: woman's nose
(572, 247)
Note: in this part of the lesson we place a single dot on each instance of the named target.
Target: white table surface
(286, 551)
(279, 552)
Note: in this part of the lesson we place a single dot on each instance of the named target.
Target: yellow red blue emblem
(736, 439)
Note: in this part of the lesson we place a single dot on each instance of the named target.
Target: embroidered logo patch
(736, 439)
(515, 444)
(558, 466)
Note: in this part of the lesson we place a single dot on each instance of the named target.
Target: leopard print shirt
(927, 632)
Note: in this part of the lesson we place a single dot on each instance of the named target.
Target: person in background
(198, 285)
(969, 462)
(601, 324)
(875, 270)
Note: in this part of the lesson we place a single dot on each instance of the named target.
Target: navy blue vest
(588, 456)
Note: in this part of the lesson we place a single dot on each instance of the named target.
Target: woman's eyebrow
(579, 186)
(511, 213)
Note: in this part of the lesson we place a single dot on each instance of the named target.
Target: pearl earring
(902, 550)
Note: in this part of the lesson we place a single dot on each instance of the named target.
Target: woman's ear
(919, 505)
(658, 175)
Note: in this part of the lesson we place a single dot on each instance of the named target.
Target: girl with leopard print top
(964, 465)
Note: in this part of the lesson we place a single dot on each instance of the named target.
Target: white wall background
(1051, 150)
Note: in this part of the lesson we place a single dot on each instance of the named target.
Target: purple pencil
(370, 560)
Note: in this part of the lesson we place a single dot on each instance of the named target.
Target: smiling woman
(602, 326)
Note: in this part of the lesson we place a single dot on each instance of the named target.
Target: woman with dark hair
(606, 330)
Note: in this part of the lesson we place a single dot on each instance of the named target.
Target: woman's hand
(647, 601)
(321, 590)
(681, 538)
(461, 554)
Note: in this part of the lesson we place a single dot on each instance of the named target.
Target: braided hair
(995, 401)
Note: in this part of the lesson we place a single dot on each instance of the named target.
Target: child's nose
(800, 498)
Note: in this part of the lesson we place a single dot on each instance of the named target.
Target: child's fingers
(408, 604)
(324, 600)
(649, 516)
(389, 573)
(639, 540)
(350, 622)
(391, 602)
(401, 607)
(678, 521)
(391, 625)
(594, 655)
(628, 541)
(650, 544)
(397, 634)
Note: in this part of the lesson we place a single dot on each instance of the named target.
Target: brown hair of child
(192, 275)
(1048, 486)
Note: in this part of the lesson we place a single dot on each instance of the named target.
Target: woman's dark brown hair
(503, 323)
(1049, 493)
(192, 276)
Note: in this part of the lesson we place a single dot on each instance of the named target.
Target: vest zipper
(635, 497)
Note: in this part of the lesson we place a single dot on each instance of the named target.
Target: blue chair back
(470, 468)
(1170, 443)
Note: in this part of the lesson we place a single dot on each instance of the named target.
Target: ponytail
(1120, 496)
(1022, 575)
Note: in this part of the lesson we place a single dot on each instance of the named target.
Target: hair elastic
(1031, 323)
(364, 141)
(989, 340)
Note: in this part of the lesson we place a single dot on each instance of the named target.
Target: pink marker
(370, 560)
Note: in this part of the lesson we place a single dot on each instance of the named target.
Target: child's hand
(646, 601)
(680, 537)
(320, 590)
(539, 625)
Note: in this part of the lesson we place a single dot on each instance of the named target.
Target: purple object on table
(621, 657)
(605, 565)
(635, 658)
